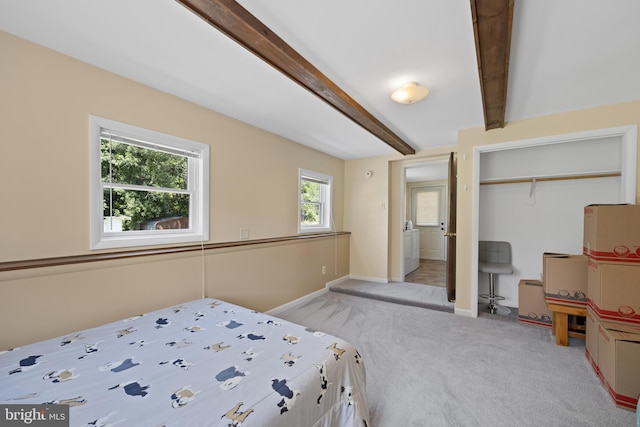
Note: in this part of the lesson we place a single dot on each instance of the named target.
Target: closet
(533, 197)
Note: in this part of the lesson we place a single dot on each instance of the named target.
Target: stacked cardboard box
(614, 291)
(565, 279)
(612, 233)
(532, 308)
(612, 246)
(613, 349)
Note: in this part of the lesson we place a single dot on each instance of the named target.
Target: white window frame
(198, 189)
(326, 220)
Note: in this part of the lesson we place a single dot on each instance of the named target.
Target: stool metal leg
(492, 307)
(492, 294)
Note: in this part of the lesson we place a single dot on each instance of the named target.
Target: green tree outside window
(152, 181)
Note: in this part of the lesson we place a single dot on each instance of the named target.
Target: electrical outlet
(324, 269)
(244, 234)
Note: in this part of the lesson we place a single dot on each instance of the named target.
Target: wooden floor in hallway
(430, 272)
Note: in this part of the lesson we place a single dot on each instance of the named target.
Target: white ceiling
(433, 170)
(565, 55)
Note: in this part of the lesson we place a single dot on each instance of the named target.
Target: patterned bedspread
(202, 363)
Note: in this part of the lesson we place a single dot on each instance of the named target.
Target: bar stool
(494, 258)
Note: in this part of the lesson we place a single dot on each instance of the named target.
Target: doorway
(425, 214)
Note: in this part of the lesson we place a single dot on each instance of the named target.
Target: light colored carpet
(433, 297)
(431, 368)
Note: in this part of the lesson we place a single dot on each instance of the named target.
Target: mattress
(203, 363)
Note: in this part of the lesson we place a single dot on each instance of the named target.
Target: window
(314, 203)
(427, 206)
(146, 187)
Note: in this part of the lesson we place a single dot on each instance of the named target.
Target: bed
(202, 363)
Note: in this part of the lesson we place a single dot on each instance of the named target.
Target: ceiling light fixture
(410, 93)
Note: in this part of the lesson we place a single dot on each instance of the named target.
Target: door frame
(409, 164)
(629, 143)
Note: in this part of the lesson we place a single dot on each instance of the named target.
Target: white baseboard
(336, 281)
(464, 312)
(283, 307)
(369, 279)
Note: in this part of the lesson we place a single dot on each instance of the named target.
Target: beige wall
(46, 102)
(268, 276)
(366, 215)
(44, 116)
(373, 212)
(48, 302)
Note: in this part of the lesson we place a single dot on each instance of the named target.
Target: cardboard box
(532, 308)
(614, 291)
(591, 340)
(612, 233)
(618, 362)
(564, 279)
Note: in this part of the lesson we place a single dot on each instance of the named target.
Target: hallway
(430, 272)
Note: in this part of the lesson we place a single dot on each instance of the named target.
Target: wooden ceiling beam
(240, 25)
(492, 22)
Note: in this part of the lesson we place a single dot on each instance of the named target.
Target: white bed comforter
(203, 363)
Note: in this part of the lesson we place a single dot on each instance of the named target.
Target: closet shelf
(558, 177)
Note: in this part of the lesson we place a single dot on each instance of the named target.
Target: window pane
(129, 164)
(314, 201)
(126, 210)
(428, 208)
(310, 191)
(147, 187)
(311, 213)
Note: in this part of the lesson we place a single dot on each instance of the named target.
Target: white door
(428, 215)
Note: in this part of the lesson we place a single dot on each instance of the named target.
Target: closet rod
(552, 178)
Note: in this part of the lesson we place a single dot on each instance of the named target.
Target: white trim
(275, 311)
(305, 298)
(199, 173)
(327, 213)
(629, 138)
(464, 312)
(337, 281)
(369, 279)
